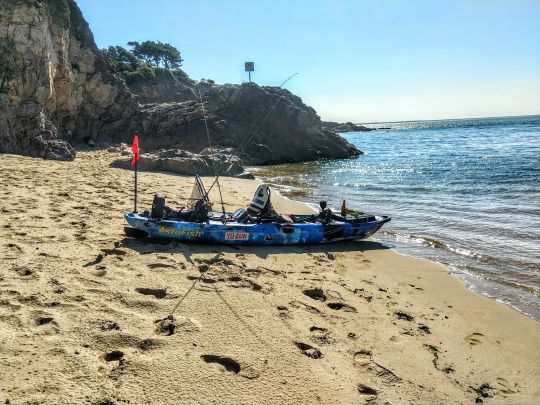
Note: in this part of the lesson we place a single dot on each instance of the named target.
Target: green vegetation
(157, 54)
(8, 67)
(146, 61)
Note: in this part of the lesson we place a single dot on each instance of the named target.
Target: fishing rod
(249, 140)
(255, 126)
(211, 150)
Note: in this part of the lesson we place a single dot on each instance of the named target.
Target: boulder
(186, 163)
(261, 125)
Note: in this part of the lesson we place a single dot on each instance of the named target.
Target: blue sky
(359, 61)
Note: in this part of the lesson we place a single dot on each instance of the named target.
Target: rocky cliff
(61, 90)
(57, 91)
(261, 125)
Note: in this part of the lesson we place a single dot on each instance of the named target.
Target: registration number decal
(236, 236)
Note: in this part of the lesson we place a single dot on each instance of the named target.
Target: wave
(482, 258)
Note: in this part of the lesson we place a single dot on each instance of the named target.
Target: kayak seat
(241, 216)
(181, 215)
(260, 202)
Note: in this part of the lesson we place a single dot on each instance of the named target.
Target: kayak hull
(269, 234)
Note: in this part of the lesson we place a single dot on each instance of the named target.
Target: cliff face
(57, 90)
(61, 89)
(261, 125)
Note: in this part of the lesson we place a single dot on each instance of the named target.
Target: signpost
(249, 67)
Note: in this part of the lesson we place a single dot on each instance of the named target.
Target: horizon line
(446, 119)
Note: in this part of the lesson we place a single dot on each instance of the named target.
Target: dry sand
(348, 323)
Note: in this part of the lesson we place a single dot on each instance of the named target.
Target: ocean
(465, 193)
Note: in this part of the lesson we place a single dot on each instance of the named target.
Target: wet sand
(338, 324)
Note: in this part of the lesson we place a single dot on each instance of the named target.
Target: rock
(64, 93)
(241, 118)
(62, 90)
(345, 127)
(245, 175)
(125, 150)
(187, 163)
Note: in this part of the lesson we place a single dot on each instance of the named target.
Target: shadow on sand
(150, 245)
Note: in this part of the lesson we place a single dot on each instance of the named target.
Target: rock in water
(345, 127)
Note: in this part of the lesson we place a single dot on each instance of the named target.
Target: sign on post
(249, 67)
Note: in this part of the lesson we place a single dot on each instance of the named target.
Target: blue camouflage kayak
(270, 233)
(259, 224)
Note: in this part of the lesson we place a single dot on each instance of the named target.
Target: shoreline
(447, 268)
(340, 323)
(421, 247)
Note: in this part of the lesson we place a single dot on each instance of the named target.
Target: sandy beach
(349, 323)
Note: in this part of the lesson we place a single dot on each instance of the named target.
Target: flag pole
(136, 165)
(135, 208)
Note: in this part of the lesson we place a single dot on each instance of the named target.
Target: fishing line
(211, 150)
(256, 127)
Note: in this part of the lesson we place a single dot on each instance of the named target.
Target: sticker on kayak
(236, 236)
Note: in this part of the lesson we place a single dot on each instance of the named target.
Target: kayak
(303, 230)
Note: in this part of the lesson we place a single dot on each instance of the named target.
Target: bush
(8, 67)
(141, 75)
(146, 62)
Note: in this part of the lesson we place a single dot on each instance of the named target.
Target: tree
(157, 53)
(122, 60)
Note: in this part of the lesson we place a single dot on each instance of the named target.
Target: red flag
(135, 150)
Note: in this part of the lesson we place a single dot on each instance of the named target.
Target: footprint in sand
(169, 325)
(363, 294)
(474, 338)
(109, 325)
(161, 266)
(309, 350)
(505, 387)
(321, 335)
(158, 293)
(26, 272)
(340, 306)
(226, 363)
(99, 271)
(97, 260)
(366, 390)
(306, 307)
(240, 282)
(363, 360)
(115, 355)
(316, 294)
(45, 320)
(283, 311)
(165, 326)
(147, 344)
(404, 316)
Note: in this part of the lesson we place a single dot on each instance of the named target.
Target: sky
(357, 60)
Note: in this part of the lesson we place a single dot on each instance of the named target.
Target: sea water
(465, 193)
